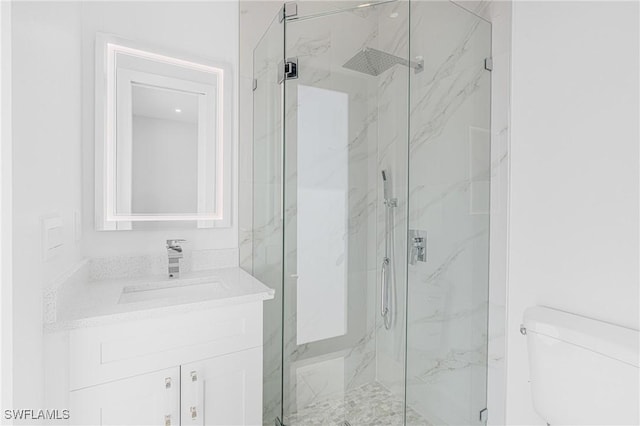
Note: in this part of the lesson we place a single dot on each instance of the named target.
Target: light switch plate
(52, 236)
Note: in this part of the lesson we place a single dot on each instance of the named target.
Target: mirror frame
(106, 133)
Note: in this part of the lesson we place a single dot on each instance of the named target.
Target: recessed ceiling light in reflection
(178, 110)
(393, 15)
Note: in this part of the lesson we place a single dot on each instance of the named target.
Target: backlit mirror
(162, 137)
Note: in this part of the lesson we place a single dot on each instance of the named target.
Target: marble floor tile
(368, 405)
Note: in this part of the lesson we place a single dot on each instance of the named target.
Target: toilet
(582, 371)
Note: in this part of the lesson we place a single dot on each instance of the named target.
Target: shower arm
(416, 65)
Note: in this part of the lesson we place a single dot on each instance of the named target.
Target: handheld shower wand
(386, 191)
(386, 285)
(385, 185)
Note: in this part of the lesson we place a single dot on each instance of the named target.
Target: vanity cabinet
(148, 399)
(201, 367)
(223, 391)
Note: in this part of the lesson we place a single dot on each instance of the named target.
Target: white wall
(574, 171)
(46, 107)
(205, 29)
(52, 158)
(6, 290)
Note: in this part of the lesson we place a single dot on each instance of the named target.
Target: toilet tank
(582, 371)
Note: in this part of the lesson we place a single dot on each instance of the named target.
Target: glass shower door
(344, 124)
(267, 207)
(449, 177)
(366, 327)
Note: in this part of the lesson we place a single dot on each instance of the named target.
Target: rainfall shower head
(374, 62)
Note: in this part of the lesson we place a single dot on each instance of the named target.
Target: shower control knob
(418, 246)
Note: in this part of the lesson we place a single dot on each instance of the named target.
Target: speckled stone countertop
(101, 302)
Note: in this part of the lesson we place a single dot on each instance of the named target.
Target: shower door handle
(384, 308)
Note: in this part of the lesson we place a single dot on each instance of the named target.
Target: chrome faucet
(174, 250)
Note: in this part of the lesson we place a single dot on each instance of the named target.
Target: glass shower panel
(267, 206)
(317, 8)
(449, 169)
(335, 115)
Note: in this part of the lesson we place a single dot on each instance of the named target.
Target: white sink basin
(189, 288)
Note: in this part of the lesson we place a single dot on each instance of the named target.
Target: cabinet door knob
(167, 383)
(167, 420)
(194, 412)
(194, 376)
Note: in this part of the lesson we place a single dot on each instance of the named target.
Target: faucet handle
(174, 242)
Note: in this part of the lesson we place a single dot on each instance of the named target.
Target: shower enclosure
(371, 179)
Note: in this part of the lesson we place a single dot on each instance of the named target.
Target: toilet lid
(615, 341)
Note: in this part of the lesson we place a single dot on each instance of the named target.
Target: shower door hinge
(288, 70)
(488, 64)
(288, 10)
(484, 415)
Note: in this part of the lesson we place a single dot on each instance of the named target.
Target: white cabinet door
(225, 390)
(149, 399)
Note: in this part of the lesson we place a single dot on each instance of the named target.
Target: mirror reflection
(164, 151)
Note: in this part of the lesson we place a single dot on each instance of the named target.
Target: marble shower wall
(449, 178)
